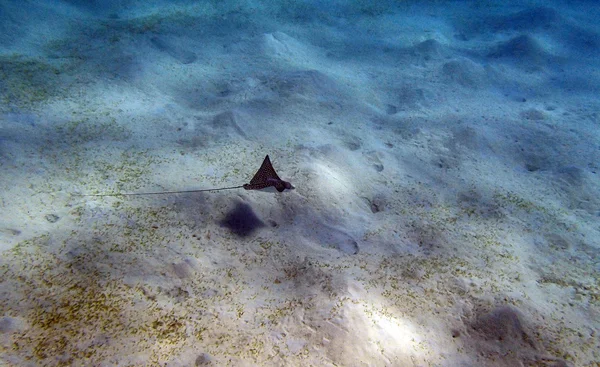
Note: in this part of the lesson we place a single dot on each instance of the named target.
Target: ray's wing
(265, 172)
(262, 176)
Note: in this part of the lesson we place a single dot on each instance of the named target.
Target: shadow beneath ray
(241, 220)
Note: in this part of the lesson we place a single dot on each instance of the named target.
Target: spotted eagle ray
(263, 178)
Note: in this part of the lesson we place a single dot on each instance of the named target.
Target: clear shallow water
(444, 156)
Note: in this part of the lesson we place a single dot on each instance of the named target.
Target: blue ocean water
(444, 158)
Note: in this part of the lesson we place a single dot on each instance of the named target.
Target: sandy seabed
(444, 157)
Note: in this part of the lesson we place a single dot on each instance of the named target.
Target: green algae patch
(75, 311)
(85, 130)
(27, 81)
(72, 319)
(68, 313)
(512, 199)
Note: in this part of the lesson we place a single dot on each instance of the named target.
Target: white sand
(445, 158)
